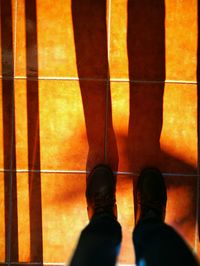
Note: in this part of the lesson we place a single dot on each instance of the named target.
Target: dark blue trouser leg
(99, 242)
(157, 244)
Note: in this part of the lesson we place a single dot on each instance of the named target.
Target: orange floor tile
(86, 82)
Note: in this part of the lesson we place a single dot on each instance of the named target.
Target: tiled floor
(85, 82)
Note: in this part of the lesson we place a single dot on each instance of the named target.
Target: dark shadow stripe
(11, 219)
(35, 204)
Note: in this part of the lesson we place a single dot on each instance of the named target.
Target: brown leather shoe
(150, 195)
(100, 191)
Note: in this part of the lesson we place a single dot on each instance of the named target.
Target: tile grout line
(197, 226)
(196, 239)
(109, 23)
(106, 122)
(108, 2)
(57, 263)
(154, 81)
(59, 78)
(11, 182)
(15, 37)
(197, 205)
(60, 171)
(192, 82)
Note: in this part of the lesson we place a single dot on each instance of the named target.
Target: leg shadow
(90, 35)
(146, 55)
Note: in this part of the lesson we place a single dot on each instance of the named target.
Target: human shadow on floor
(90, 35)
(146, 56)
(147, 74)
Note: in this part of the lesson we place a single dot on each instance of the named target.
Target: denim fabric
(155, 243)
(99, 242)
(158, 244)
